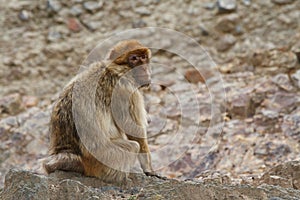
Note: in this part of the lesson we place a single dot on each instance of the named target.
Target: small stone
(282, 2)
(271, 114)
(228, 23)
(168, 17)
(285, 19)
(225, 6)
(283, 102)
(247, 2)
(283, 81)
(204, 30)
(209, 5)
(25, 15)
(296, 78)
(193, 76)
(92, 25)
(11, 104)
(296, 50)
(93, 6)
(227, 68)
(74, 25)
(76, 10)
(54, 5)
(139, 23)
(30, 101)
(53, 36)
(240, 106)
(225, 42)
(291, 125)
(273, 61)
(11, 121)
(143, 11)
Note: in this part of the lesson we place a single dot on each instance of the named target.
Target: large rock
(26, 185)
(286, 175)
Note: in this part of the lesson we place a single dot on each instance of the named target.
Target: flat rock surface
(28, 185)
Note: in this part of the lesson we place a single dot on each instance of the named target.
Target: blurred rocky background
(255, 44)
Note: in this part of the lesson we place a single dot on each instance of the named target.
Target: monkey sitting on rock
(108, 132)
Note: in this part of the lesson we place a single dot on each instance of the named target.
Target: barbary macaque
(117, 135)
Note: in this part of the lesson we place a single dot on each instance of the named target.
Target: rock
(30, 101)
(282, 2)
(193, 76)
(203, 29)
(225, 42)
(27, 185)
(283, 18)
(225, 6)
(241, 106)
(76, 10)
(273, 61)
(53, 36)
(92, 25)
(282, 102)
(247, 2)
(269, 114)
(296, 78)
(286, 175)
(140, 23)
(142, 10)
(283, 81)
(93, 6)
(291, 125)
(209, 5)
(54, 5)
(296, 50)
(74, 25)
(11, 104)
(25, 15)
(228, 23)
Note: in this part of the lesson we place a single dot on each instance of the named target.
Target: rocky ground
(255, 44)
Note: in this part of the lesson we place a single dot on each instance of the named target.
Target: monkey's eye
(133, 58)
(143, 56)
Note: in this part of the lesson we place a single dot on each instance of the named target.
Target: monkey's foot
(63, 162)
(153, 174)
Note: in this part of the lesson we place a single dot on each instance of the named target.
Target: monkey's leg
(145, 156)
(64, 162)
(121, 156)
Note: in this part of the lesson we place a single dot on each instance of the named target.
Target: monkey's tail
(63, 161)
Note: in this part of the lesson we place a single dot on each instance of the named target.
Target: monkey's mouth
(143, 81)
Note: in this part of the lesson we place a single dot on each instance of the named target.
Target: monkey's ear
(149, 53)
(111, 54)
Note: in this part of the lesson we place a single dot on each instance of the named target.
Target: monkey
(107, 97)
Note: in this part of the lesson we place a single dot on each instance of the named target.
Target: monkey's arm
(130, 116)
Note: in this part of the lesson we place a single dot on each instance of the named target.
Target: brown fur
(109, 138)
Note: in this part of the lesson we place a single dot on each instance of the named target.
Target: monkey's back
(64, 137)
(63, 134)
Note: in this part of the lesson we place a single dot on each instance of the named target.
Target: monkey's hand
(153, 174)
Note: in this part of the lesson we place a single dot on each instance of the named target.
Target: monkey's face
(139, 64)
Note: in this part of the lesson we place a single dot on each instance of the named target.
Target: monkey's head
(135, 57)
